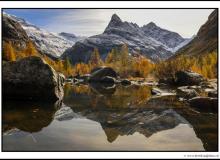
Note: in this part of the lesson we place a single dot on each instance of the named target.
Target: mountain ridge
(49, 43)
(116, 34)
(206, 39)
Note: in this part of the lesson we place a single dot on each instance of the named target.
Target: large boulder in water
(184, 78)
(204, 103)
(99, 73)
(31, 78)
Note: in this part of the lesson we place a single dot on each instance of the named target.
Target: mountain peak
(151, 24)
(114, 23)
(115, 18)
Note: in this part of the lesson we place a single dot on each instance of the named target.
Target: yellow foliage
(204, 64)
(30, 50)
(9, 52)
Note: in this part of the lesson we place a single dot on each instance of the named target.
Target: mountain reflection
(132, 109)
(119, 110)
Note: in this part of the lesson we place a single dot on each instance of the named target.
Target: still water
(108, 118)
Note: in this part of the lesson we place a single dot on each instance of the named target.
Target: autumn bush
(204, 64)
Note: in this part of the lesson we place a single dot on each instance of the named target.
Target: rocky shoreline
(33, 79)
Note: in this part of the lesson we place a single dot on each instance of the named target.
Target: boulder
(204, 103)
(125, 82)
(62, 79)
(31, 78)
(186, 92)
(211, 92)
(184, 78)
(69, 80)
(156, 91)
(108, 79)
(212, 84)
(99, 73)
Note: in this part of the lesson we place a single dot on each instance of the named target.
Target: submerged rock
(184, 78)
(156, 91)
(159, 92)
(31, 78)
(99, 73)
(125, 82)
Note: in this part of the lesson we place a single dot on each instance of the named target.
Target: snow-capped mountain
(155, 46)
(53, 44)
(168, 38)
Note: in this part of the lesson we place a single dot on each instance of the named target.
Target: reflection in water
(29, 116)
(109, 118)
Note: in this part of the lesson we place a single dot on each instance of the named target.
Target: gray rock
(186, 92)
(98, 74)
(188, 78)
(156, 91)
(62, 79)
(211, 92)
(31, 78)
(159, 92)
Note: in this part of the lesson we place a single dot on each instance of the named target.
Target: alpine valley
(129, 88)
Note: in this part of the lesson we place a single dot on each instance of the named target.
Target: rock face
(138, 39)
(184, 78)
(206, 39)
(31, 78)
(170, 39)
(98, 74)
(13, 32)
(204, 103)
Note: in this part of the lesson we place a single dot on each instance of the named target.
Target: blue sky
(88, 22)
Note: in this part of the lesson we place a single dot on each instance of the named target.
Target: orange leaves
(204, 64)
(9, 52)
(95, 59)
(30, 50)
